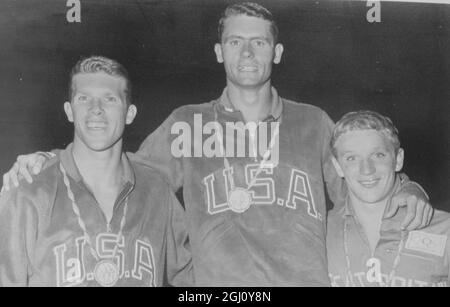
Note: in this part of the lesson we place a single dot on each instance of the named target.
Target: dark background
(333, 58)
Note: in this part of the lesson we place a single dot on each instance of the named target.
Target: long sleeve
(156, 151)
(179, 260)
(18, 224)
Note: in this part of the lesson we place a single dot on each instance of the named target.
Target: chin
(95, 143)
(98, 146)
(371, 198)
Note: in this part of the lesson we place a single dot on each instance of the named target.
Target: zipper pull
(108, 228)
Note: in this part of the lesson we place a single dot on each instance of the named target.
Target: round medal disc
(239, 200)
(106, 273)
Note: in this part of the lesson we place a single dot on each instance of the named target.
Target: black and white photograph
(199, 144)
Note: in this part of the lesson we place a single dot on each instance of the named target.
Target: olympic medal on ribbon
(106, 273)
(239, 200)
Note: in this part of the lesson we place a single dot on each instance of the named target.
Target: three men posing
(253, 221)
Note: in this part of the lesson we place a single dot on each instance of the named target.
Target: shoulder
(148, 176)
(437, 231)
(303, 107)
(303, 112)
(432, 240)
(440, 223)
(187, 112)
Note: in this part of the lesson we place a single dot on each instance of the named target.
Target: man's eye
(380, 155)
(350, 158)
(111, 99)
(234, 43)
(82, 98)
(259, 43)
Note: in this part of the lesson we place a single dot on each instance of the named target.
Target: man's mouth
(247, 68)
(369, 183)
(96, 125)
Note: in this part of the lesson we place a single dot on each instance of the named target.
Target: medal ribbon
(81, 223)
(227, 163)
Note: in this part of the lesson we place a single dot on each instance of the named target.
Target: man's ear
(218, 51)
(68, 110)
(278, 53)
(337, 167)
(131, 114)
(399, 160)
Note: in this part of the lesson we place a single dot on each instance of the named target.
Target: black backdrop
(334, 58)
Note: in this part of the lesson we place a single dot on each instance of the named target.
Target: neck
(373, 209)
(254, 103)
(370, 217)
(99, 168)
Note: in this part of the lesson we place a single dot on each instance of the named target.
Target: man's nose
(247, 50)
(96, 106)
(366, 167)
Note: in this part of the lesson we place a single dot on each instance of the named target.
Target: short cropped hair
(250, 9)
(365, 120)
(95, 64)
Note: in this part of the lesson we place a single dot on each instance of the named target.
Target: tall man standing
(251, 222)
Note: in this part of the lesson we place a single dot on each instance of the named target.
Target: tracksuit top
(280, 239)
(42, 244)
(423, 261)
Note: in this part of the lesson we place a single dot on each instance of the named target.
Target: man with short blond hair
(364, 249)
(94, 216)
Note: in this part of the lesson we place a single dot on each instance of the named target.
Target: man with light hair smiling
(365, 249)
(94, 216)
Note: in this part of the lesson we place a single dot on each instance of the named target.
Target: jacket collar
(224, 104)
(66, 157)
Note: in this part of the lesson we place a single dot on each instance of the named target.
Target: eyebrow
(108, 93)
(227, 38)
(378, 148)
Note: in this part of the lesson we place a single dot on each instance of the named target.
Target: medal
(106, 273)
(239, 200)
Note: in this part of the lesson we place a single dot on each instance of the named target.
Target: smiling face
(367, 161)
(99, 110)
(247, 51)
